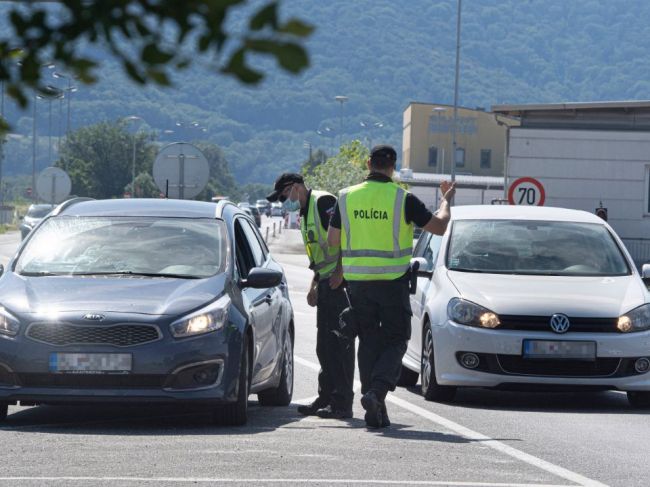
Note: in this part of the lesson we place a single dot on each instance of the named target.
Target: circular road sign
(181, 171)
(53, 185)
(526, 191)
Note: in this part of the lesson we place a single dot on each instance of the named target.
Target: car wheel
(430, 388)
(236, 414)
(407, 378)
(4, 408)
(639, 399)
(281, 395)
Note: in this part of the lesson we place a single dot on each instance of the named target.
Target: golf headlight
(210, 318)
(8, 324)
(471, 314)
(636, 320)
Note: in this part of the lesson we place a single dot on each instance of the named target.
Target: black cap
(282, 182)
(383, 154)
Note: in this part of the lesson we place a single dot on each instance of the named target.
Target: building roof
(519, 110)
(462, 180)
(605, 115)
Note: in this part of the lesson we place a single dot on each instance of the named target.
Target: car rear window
(184, 247)
(534, 247)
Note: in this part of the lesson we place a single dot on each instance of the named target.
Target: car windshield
(535, 248)
(150, 246)
(39, 211)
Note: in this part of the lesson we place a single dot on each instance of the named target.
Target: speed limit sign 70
(526, 191)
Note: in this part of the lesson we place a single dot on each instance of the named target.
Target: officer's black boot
(331, 412)
(373, 407)
(310, 409)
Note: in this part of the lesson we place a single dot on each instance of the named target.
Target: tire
(236, 414)
(281, 395)
(431, 390)
(3, 412)
(407, 378)
(639, 399)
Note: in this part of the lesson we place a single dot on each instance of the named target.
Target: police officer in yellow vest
(373, 224)
(335, 354)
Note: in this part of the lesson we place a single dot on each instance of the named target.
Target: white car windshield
(148, 246)
(534, 247)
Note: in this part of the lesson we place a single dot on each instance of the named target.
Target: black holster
(413, 276)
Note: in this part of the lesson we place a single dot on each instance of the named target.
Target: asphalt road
(485, 439)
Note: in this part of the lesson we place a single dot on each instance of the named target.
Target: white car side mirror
(645, 271)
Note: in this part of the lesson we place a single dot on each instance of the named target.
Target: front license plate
(559, 349)
(91, 363)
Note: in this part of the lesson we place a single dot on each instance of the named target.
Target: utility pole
(453, 143)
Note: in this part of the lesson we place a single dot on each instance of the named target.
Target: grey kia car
(146, 300)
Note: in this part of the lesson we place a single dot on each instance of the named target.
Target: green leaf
(159, 77)
(268, 15)
(237, 67)
(152, 54)
(297, 28)
(133, 73)
(292, 57)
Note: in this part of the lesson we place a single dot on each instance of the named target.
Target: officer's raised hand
(448, 190)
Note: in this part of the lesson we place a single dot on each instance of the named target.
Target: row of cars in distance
(262, 207)
(146, 300)
(528, 298)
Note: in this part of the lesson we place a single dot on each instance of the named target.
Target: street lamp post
(33, 195)
(453, 162)
(133, 118)
(341, 99)
(70, 89)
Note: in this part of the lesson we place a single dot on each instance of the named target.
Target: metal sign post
(53, 185)
(181, 170)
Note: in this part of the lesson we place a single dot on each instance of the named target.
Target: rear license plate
(91, 363)
(559, 349)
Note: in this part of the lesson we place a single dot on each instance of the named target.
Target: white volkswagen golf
(528, 298)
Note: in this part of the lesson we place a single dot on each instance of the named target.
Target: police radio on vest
(370, 214)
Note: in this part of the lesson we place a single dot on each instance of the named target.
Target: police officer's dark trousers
(382, 311)
(335, 351)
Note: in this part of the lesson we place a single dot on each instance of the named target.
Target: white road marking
(277, 481)
(485, 440)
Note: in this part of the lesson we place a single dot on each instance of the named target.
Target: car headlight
(210, 318)
(471, 314)
(8, 324)
(637, 319)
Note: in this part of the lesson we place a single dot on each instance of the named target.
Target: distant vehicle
(150, 301)
(256, 215)
(277, 210)
(264, 206)
(34, 215)
(243, 204)
(522, 297)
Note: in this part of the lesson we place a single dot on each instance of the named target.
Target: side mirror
(422, 265)
(2, 269)
(261, 278)
(645, 273)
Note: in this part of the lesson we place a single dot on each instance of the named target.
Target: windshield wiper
(139, 274)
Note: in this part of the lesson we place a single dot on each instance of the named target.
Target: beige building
(427, 140)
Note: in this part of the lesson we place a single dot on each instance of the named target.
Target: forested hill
(382, 54)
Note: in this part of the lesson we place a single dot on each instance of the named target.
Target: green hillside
(382, 54)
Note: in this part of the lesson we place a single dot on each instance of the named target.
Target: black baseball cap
(383, 154)
(282, 182)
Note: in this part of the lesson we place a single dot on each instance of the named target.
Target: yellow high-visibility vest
(376, 241)
(322, 257)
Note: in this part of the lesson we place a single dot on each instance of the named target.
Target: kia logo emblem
(93, 317)
(560, 323)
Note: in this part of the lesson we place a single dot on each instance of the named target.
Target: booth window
(433, 156)
(486, 158)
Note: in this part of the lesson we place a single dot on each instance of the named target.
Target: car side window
(244, 255)
(421, 246)
(256, 248)
(431, 251)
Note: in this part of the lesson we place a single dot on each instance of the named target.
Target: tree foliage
(149, 39)
(346, 168)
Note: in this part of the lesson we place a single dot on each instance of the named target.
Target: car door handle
(268, 299)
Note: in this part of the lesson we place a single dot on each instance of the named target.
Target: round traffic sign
(526, 191)
(181, 170)
(53, 185)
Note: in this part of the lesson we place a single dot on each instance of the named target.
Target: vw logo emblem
(560, 323)
(93, 317)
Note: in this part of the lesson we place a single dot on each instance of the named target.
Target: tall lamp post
(371, 127)
(133, 118)
(341, 99)
(51, 94)
(453, 143)
(70, 89)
